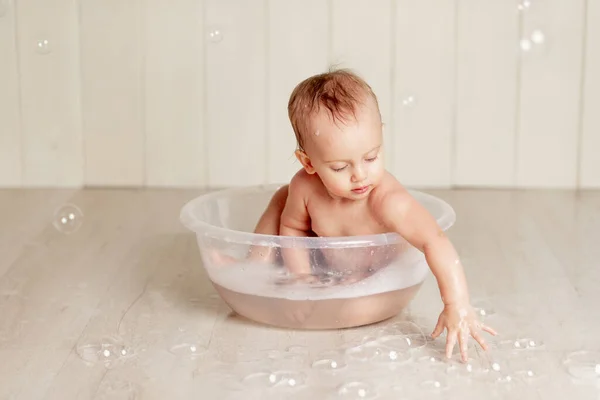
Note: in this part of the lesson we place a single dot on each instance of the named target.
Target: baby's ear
(305, 161)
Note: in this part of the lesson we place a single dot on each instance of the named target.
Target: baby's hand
(460, 321)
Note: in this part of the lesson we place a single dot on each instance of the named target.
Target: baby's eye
(372, 159)
(338, 169)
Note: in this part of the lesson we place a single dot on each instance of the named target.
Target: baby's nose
(358, 175)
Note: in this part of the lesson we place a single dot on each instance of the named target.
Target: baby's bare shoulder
(303, 184)
(390, 192)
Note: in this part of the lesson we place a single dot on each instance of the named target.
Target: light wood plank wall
(477, 93)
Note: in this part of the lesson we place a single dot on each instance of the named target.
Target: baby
(344, 189)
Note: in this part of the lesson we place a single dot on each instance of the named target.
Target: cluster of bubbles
(535, 39)
(357, 369)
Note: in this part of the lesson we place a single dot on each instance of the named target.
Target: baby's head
(338, 127)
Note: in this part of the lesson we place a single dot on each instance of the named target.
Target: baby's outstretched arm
(295, 221)
(401, 213)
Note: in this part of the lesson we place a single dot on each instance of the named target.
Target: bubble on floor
(583, 364)
(269, 379)
(356, 390)
(68, 219)
(483, 308)
(375, 351)
(108, 350)
(329, 361)
(261, 379)
(188, 349)
(290, 379)
(436, 384)
(519, 344)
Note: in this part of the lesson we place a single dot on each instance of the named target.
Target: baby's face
(347, 156)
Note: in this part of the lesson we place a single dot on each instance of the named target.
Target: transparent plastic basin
(355, 280)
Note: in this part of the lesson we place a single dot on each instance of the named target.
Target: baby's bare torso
(330, 217)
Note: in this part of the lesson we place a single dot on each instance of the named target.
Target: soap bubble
(68, 219)
(534, 43)
(409, 101)
(523, 5)
(43, 47)
(215, 35)
(583, 364)
(356, 390)
(106, 350)
(526, 45)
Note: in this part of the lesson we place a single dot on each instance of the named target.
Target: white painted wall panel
(590, 137)
(138, 93)
(236, 92)
(298, 32)
(550, 95)
(174, 87)
(10, 122)
(113, 92)
(48, 43)
(487, 87)
(361, 40)
(424, 72)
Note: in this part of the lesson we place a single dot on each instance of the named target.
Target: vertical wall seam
(19, 94)
(391, 129)
(454, 119)
(84, 160)
(142, 41)
(582, 80)
(267, 130)
(205, 133)
(518, 93)
(330, 33)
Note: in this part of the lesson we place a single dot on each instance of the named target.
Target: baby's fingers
(450, 342)
(488, 329)
(477, 336)
(463, 339)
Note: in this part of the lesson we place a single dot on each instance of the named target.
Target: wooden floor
(131, 275)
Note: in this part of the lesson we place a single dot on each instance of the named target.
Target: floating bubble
(583, 364)
(215, 35)
(537, 37)
(524, 5)
(409, 101)
(356, 390)
(68, 219)
(43, 47)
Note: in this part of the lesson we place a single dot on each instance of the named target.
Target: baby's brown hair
(339, 91)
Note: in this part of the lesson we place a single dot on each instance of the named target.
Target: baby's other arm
(295, 221)
(401, 213)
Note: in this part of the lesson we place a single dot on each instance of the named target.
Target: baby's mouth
(361, 189)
